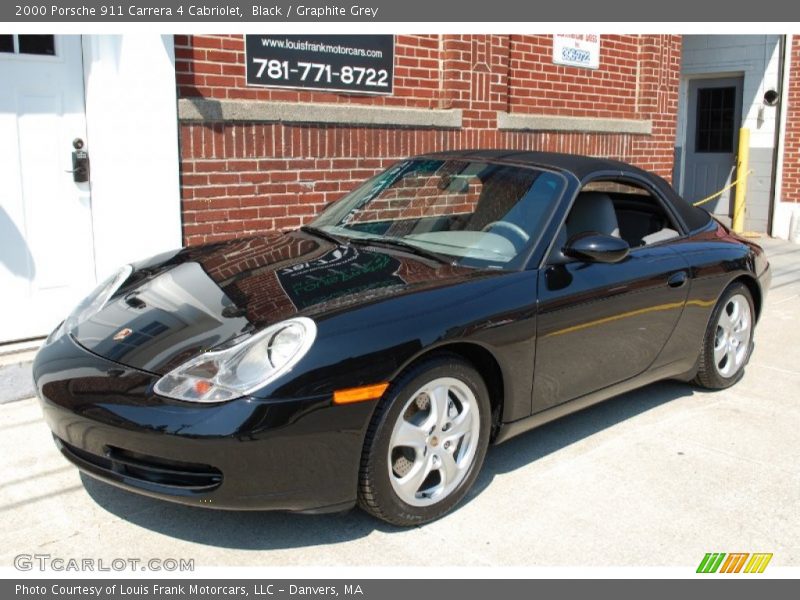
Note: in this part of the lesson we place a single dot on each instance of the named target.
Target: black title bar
(342, 11)
(390, 589)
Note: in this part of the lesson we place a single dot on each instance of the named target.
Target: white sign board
(577, 50)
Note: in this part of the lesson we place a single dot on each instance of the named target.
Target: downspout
(780, 147)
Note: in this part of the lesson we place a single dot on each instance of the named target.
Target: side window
(618, 208)
(641, 219)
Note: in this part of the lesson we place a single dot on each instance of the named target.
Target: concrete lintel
(201, 109)
(524, 122)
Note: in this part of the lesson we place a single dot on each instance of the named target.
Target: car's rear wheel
(426, 442)
(728, 340)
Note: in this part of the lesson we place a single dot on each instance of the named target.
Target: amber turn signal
(359, 394)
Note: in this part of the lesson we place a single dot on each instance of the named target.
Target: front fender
(374, 343)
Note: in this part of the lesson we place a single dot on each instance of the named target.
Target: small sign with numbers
(577, 50)
(361, 64)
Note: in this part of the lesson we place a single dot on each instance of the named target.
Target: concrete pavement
(655, 477)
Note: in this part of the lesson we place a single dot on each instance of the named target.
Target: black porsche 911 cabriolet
(454, 300)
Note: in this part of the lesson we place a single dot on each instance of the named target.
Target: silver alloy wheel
(434, 441)
(732, 336)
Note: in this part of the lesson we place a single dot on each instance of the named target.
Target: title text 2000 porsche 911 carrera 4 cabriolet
(371, 357)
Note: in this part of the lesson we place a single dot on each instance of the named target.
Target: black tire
(708, 374)
(376, 494)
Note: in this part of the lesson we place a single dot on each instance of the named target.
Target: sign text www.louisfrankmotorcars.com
(362, 64)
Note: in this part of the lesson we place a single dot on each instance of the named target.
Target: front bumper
(296, 455)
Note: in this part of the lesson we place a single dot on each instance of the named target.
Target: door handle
(676, 280)
(80, 162)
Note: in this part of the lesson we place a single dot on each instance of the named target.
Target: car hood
(176, 306)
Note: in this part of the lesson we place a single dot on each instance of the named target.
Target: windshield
(480, 214)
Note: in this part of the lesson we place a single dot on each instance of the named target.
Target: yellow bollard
(742, 172)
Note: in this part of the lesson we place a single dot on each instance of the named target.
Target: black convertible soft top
(582, 167)
(577, 164)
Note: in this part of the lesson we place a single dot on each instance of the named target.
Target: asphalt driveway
(655, 477)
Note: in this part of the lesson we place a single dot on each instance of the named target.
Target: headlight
(226, 374)
(97, 299)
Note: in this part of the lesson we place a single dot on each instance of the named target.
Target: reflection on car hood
(174, 307)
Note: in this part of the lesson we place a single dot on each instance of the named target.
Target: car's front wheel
(426, 442)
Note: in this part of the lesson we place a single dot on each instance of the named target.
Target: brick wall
(240, 178)
(536, 85)
(791, 157)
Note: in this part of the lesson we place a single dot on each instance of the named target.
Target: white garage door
(46, 242)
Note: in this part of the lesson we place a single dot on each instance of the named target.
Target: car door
(599, 324)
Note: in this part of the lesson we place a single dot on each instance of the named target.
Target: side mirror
(596, 247)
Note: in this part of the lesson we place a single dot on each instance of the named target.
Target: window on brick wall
(716, 109)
